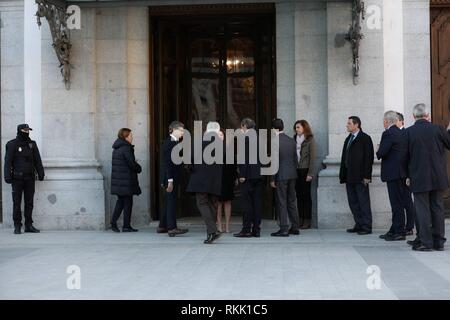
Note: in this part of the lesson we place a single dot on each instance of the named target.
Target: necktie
(352, 137)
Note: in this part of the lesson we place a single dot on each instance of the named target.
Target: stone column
(285, 59)
(72, 195)
(311, 78)
(122, 95)
(416, 53)
(365, 100)
(32, 71)
(11, 87)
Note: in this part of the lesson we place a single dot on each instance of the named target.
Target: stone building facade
(111, 88)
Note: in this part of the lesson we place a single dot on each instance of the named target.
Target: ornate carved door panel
(440, 71)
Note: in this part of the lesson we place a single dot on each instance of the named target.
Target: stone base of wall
(333, 211)
(72, 197)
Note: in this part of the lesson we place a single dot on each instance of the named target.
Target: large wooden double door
(440, 72)
(210, 67)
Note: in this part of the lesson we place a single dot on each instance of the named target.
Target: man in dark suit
(427, 155)
(170, 178)
(206, 182)
(408, 204)
(356, 173)
(251, 185)
(284, 183)
(392, 152)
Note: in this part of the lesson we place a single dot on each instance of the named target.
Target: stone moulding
(55, 14)
(61, 169)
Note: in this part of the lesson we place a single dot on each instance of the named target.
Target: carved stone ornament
(354, 35)
(55, 14)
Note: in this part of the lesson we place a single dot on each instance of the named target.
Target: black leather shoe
(353, 230)
(243, 234)
(256, 234)
(31, 229)
(409, 233)
(212, 237)
(280, 233)
(161, 230)
(363, 232)
(294, 232)
(17, 230)
(414, 242)
(176, 232)
(114, 227)
(395, 237)
(421, 247)
(129, 229)
(383, 236)
(438, 248)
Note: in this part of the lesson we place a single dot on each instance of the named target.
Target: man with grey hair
(427, 171)
(392, 151)
(205, 182)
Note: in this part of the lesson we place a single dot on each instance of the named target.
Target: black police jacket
(22, 160)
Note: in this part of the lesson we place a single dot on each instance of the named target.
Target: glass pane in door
(205, 99)
(204, 56)
(240, 55)
(241, 100)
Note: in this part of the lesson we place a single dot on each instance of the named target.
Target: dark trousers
(252, 190)
(286, 201)
(359, 202)
(125, 204)
(303, 190)
(430, 217)
(25, 187)
(168, 219)
(408, 206)
(207, 205)
(395, 192)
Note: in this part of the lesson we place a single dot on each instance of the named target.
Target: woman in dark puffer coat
(124, 179)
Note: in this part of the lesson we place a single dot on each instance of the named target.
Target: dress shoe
(364, 232)
(17, 230)
(353, 230)
(114, 227)
(383, 236)
(161, 230)
(395, 237)
(176, 232)
(438, 248)
(294, 232)
(212, 237)
(409, 233)
(280, 233)
(421, 247)
(256, 234)
(414, 242)
(243, 234)
(129, 229)
(31, 229)
(306, 224)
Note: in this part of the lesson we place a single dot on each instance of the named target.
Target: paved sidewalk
(318, 264)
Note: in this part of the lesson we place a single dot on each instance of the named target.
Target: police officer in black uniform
(22, 162)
